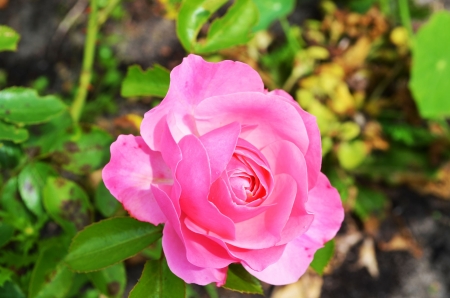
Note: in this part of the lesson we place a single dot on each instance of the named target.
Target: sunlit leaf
(271, 10)
(234, 28)
(152, 82)
(24, 106)
(192, 16)
(431, 67)
(67, 203)
(238, 279)
(157, 281)
(8, 39)
(86, 150)
(322, 257)
(10, 132)
(351, 154)
(32, 180)
(110, 241)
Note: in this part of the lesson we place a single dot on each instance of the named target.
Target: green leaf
(12, 205)
(152, 82)
(6, 233)
(271, 10)
(79, 280)
(157, 281)
(110, 241)
(50, 277)
(5, 275)
(8, 39)
(154, 251)
(16, 259)
(24, 106)
(431, 67)
(10, 155)
(84, 151)
(31, 181)
(238, 279)
(233, 29)
(104, 201)
(192, 16)
(369, 201)
(67, 203)
(48, 137)
(351, 154)
(10, 132)
(110, 281)
(360, 6)
(11, 290)
(322, 257)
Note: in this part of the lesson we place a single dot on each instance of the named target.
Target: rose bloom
(233, 173)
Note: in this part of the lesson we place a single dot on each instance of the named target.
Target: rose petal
(129, 174)
(313, 155)
(220, 196)
(191, 82)
(220, 145)
(292, 264)
(285, 158)
(169, 148)
(193, 174)
(257, 259)
(175, 253)
(326, 205)
(199, 250)
(264, 230)
(275, 119)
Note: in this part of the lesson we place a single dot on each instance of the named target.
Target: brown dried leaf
(401, 242)
(308, 286)
(367, 257)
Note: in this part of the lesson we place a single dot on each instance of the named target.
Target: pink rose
(233, 173)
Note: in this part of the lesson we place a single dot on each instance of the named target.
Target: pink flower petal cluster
(233, 173)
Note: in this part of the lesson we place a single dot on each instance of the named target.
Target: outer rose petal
(193, 174)
(175, 253)
(325, 202)
(129, 174)
(199, 250)
(191, 82)
(275, 118)
(326, 205)
(313, 156)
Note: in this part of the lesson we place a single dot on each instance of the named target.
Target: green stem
(385, 7)
(105, 12)
(405, 16)
(88, 61)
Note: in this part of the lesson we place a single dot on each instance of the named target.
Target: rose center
(245, 180)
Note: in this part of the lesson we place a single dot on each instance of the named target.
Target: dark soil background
(48, 48)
